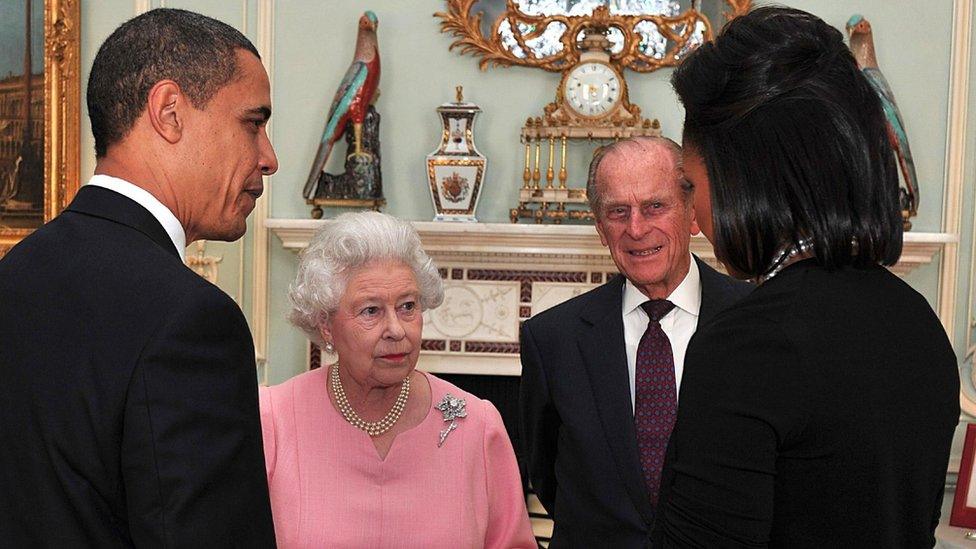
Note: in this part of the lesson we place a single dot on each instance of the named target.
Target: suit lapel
(601, 343)
(718, 292)
(107, 204)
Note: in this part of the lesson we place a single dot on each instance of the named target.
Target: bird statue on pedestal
(358, 89)
(862, 46)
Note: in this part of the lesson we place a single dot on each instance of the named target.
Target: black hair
(195, 51)
(794, 141)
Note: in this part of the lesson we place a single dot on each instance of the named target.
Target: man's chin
(225, 234)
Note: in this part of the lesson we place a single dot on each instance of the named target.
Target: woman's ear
(325, 332)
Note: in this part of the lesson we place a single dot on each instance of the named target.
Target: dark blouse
(817, 412)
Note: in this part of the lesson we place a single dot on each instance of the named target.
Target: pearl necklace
(372, 428)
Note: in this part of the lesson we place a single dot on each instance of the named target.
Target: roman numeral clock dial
(592, 89)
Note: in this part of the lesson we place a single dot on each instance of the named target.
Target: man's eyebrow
(263, 112)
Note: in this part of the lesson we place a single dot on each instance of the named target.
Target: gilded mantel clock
(591, 43)
(592, 94)
(592, 89)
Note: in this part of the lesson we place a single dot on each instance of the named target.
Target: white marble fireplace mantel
(498, 274)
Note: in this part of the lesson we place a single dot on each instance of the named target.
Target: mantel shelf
(556, 246)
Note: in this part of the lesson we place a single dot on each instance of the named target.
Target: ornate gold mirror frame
(678, 29)
(62, 108)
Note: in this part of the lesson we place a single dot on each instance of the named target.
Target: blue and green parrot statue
(862, 46)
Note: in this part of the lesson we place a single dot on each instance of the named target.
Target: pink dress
(329, 487)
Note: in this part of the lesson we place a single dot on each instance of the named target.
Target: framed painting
(40, 100)
(964, 503)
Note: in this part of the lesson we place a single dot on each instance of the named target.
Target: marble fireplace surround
(497, 275)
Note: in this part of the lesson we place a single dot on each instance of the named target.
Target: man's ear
(165, 109)
(599, 231)
(695, 229)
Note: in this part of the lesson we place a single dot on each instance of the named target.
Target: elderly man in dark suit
(129, 395)
(600, 372)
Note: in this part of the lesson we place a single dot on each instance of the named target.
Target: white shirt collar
(142, 197)
(687, 296)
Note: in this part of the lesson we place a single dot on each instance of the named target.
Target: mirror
(644, 34)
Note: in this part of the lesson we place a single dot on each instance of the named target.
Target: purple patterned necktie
(656, 396)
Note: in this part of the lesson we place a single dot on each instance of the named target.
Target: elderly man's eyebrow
(263, 111)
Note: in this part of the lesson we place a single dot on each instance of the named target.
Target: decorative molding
(244, 4)
(259, 231)
(507, 246)
(62, 95)
(962, 20)
(203, 264)
(955, 162)
(966, 403)
(498, 274)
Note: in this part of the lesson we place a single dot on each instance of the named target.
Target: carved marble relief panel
(475, 311)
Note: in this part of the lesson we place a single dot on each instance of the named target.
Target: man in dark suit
(129, 394)
(600, 372)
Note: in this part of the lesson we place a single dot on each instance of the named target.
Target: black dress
(817, 412)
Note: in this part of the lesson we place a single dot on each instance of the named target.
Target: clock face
(592, 89)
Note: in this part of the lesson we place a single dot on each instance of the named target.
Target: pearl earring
(329, 348)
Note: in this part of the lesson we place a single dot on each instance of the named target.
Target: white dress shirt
(679, 324)
(142, 197)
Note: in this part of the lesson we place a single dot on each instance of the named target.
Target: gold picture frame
(62, 112)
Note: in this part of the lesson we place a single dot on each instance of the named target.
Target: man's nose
(637, 225)
(268, 160)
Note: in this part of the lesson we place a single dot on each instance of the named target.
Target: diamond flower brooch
(453, 409)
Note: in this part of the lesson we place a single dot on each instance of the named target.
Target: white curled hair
(345, 244)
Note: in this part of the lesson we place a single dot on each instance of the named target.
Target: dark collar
(604, 300)
(718, 293)
(112, 206)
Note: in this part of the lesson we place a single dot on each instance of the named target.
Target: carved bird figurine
(358, 89)
(862, 46)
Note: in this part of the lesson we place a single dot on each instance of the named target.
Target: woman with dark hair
(818, 411)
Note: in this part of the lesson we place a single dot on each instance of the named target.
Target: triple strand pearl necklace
(372, 428)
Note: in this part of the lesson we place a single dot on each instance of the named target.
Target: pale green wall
(313, 43)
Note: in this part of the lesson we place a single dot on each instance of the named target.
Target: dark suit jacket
(577, 425)
(816, 412)
(129, 397)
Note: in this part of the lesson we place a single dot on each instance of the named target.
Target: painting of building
(21, 151)
(22, 116)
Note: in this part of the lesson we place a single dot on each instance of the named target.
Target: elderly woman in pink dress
(369, 452)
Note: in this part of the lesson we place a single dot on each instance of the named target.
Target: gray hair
(594, 197)
(344, 244)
